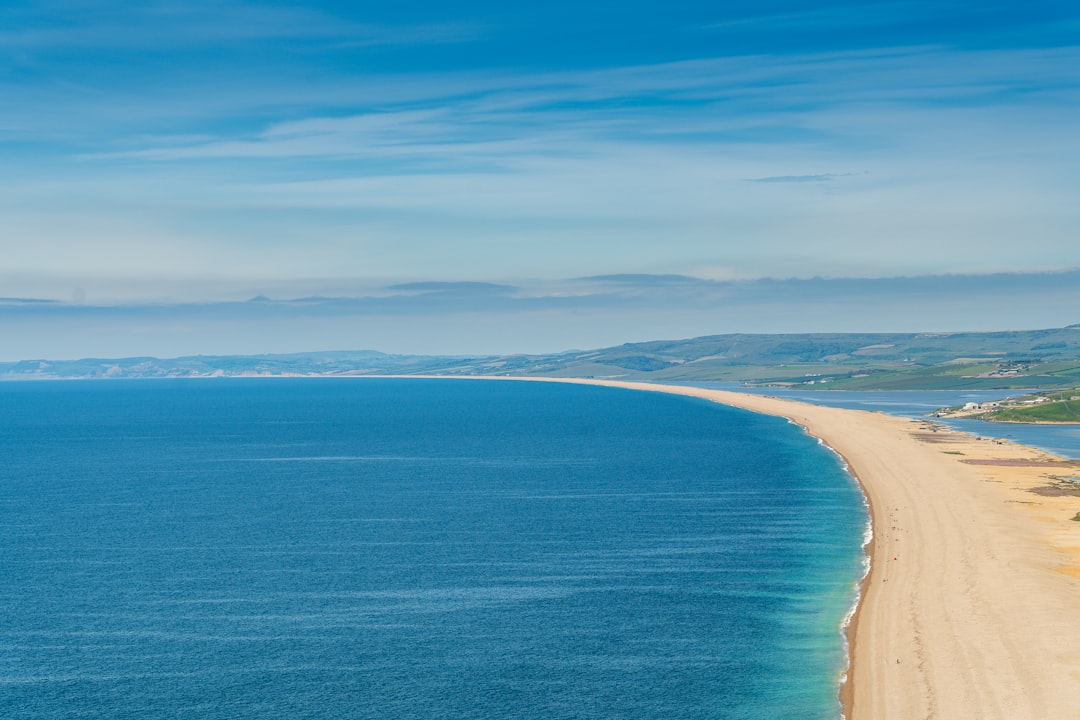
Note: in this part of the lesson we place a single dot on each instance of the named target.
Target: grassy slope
(856, 361)
(1046, 359)
(1062, 411)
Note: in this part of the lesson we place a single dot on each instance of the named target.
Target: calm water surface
(1061, 439)
(415, 549)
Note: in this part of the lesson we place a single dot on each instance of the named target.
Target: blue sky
(175, 159)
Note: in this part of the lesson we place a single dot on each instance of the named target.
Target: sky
(478, 177)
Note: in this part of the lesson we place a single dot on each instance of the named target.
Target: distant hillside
(1062, 406)
(298, 364)
(1060, 411)
(880, 361)
(872, 361)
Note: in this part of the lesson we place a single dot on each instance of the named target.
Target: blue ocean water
(384, 548)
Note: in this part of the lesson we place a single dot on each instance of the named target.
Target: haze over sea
(397, 548)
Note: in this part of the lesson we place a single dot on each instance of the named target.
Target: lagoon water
(1060, 439)
(385, 548)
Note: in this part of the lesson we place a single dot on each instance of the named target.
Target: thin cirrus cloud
(533, 144)
(823, 177)
(161, 26)
(727, 97)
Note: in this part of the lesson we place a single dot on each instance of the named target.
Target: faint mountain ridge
(855, 361)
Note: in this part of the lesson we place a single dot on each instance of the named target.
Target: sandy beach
(971, 608)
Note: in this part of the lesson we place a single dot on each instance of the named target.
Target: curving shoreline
(971, 605)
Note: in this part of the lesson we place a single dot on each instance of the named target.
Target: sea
(409, 548)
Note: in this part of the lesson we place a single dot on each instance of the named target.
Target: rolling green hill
(1043, 407)
(1027, 359)
(1002, 360)
(1068, 412)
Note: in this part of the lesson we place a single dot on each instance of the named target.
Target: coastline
(970, 605)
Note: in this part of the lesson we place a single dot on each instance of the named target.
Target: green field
(1015, 360)
(1067, 411)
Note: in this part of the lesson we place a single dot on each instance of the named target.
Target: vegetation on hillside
(1033, 359)
(1066, 411)
(1056, 407)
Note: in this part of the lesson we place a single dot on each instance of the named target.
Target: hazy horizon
(432, 318)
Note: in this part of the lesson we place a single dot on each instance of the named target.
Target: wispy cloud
(167, 25)
(823, 177)
(25, 301)
(843, 16)
(443, 290)
(750, 101)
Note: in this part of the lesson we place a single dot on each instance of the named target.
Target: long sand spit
(971, 608)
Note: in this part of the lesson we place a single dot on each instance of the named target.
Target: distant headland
(1047, 359)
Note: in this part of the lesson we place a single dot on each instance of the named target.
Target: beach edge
(956, 549)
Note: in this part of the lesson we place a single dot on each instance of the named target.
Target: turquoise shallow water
(415, 549)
